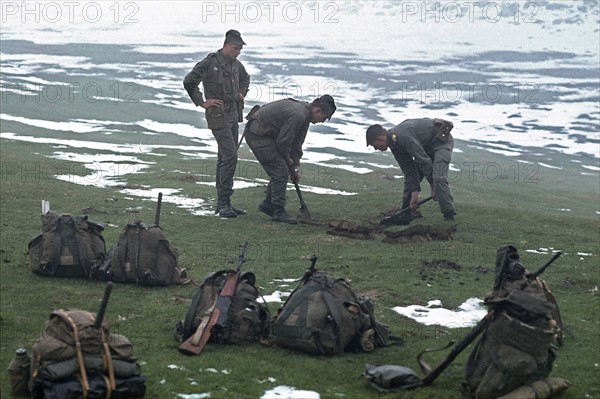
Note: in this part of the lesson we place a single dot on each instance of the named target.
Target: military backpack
(324, 316)
(143, 255)
(68, 246)
(247, 318)
(519, 345)
(74, 359)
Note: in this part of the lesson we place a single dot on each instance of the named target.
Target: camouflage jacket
(222, 78)
(413, 144)
(287, 122)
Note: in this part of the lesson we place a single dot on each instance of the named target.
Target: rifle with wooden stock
(218, 312)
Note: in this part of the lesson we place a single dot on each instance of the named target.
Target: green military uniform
(275, 134)
(225, 79)
(422, 153)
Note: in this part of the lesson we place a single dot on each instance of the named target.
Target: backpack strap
(134, 250)
(84, 380)
(109, 365)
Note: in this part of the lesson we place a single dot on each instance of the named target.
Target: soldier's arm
(290, 130)
(244, 81)
(412, 146)
(412, 177)
(192, 80)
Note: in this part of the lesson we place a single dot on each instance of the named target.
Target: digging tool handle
(103, 304)
(157, 216)
(421, 202)
(458, 348)
(302, 203)
(196, 343)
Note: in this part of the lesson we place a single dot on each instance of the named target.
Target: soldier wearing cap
(226, 83)
(275, 134)
(423, 148)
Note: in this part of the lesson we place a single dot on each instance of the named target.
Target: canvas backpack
(68, 246)
(74, 359)
(519, 345)
(247, 318)
(143, 255)
(324, 316)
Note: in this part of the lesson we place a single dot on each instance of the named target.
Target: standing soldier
(275, 134)
(226, 84)
(423, 148)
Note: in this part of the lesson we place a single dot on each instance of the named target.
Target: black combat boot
(280, 215)
(449, 216)
(226, 211)
(236, 210)
(266, 208)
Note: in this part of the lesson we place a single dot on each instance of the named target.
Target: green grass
(521, 207)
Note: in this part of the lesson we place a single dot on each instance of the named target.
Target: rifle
(480, 327)
(310, 271)
(458, 348)
(219, 314)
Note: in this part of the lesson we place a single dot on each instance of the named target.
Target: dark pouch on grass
(215, 117)
(389, 378)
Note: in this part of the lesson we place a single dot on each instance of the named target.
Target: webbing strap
(108, 363)
(84, 380)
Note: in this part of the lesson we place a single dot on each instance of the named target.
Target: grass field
(500, 201)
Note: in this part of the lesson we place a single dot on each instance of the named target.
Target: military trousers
(441, 155)
(227, 141)
(265, 151)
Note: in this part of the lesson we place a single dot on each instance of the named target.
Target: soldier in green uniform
(226, 84)
(423, 148)
(275, 134)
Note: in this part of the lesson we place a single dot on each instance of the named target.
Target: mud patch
(418, 233)
(349, 229)
(439, 271)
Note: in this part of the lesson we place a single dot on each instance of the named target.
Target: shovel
(392, 219)
(304, 212)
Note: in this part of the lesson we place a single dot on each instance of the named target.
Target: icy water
(106, 77)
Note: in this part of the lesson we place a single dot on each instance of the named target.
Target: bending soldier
(423, 148)
(275, 134)
(226, 84)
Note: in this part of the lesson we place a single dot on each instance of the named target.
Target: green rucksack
(247, 319)
(68, 246)
(143, 255)
(74, 359)
(519, 345)
(324, 316)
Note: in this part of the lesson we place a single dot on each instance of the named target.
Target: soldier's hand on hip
(211, 103)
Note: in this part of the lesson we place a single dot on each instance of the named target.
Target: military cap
(327, 103)
(235, 37)
(373, 132)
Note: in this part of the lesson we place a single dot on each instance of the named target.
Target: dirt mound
(419, 233)
(349, 229)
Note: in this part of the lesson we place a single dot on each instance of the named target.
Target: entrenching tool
(218, 311)
(157, 216)
(392, 219)
(304, 212)
(103, 305)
